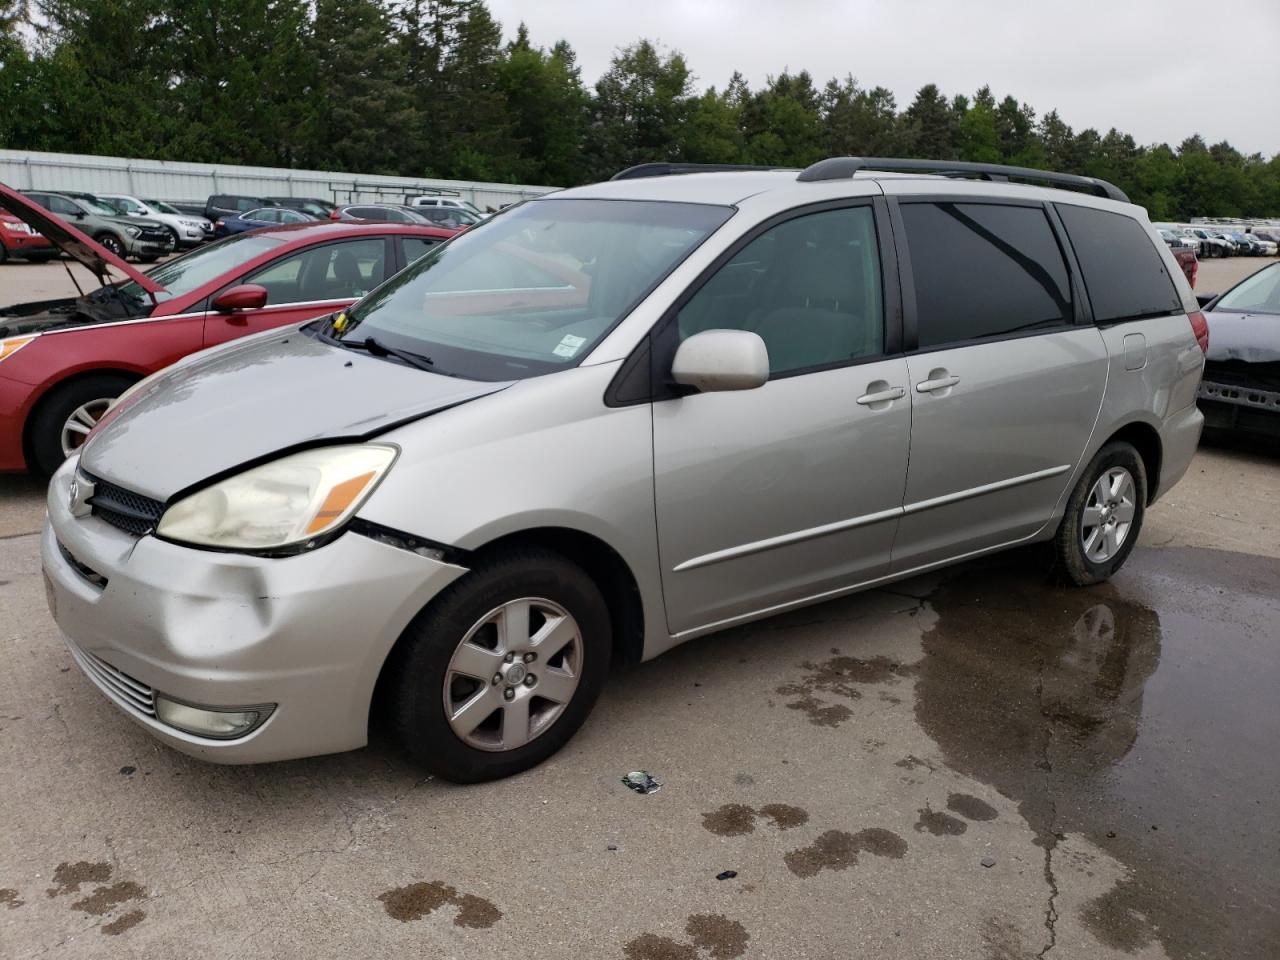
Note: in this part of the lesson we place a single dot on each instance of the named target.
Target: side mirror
(244, 296)
(1204, 299)
(717, 360)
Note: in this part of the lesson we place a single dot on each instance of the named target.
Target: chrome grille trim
(133, 695)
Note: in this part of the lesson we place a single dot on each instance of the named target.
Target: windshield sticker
(569, 345)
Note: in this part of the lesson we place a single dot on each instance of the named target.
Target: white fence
(194, 182)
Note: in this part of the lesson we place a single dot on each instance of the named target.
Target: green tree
(977, 133)
(929, 125)
(359, 106)
(642, 108)
(548, 106)
(858, 122)
(782, 124)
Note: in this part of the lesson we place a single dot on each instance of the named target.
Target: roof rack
(641, 170)
(841, 168)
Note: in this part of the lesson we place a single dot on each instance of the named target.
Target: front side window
(1123, 272)
(532, 291)
(984, 270)
(184, 274)
(262, 215)
(810, 287)
(336, 271)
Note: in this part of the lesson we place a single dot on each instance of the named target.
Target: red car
(62, 362)
(18, 239)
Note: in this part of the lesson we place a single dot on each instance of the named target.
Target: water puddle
(1152, 734)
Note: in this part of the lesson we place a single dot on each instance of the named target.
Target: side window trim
(910, 325)
(662, 339)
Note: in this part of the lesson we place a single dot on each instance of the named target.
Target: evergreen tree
(359, 107)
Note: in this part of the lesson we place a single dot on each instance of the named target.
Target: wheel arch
(1146, 440)
(597, 559)
(51, 389)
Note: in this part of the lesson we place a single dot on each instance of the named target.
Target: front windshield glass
(532, 291)
(189, 271)
(1258, 294)
(164, 207)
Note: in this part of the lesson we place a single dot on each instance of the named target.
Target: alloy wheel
(513, 674)
(83, 419)
(1108, 515)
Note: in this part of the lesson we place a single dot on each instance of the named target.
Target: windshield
(185, 273)
(164, 207)
(532, 291)
(1258, 294)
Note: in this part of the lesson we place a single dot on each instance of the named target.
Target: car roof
(731, 188)
(299, 233)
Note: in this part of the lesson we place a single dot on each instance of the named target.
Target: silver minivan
(608, 421)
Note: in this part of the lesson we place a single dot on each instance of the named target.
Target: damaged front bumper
(297, 641)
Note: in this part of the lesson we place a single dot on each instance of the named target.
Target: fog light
(204, 722)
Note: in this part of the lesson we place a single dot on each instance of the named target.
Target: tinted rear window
(984, 270)
(1124, 273)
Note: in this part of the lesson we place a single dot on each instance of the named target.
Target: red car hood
(71, 241)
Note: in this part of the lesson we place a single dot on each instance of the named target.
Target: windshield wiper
(379, 349)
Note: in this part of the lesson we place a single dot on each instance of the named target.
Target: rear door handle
(882, 396)
(941, 383)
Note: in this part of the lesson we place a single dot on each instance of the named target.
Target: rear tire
(1103, 516)
(470, 728)
(80, 403)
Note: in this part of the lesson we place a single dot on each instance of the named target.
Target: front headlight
(286, 503)
(132, 231)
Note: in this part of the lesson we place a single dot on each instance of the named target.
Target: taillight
(333, 215)
(1200, 327)
(1195, 269)
(219, 224)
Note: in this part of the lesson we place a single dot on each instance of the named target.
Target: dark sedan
(232, 224)
(1241, 387)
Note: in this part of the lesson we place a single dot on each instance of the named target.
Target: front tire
(67, 414)
(502, 668)
(112, 243)
(1103, 516)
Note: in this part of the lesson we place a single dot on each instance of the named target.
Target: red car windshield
(183, 274)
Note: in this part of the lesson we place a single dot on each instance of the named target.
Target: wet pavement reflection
(1156, 735)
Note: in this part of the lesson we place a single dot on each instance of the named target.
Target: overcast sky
(1158, 69)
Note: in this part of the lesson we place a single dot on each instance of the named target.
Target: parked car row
(63, 362)
(137, 227)
(1211, 240)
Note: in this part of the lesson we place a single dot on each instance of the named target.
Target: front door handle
(939, 383)
(881, 396)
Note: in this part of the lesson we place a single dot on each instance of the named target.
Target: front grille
(135, 695)
(124, 509)
(154, 236)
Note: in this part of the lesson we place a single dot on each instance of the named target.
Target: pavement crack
(1045, 765)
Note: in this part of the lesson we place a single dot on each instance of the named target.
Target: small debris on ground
(642, 782)
(988, 861)
(612, 846)
(128, 771)
(727, 875)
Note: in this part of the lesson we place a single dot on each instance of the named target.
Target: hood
(71, 241)
(229, 406)
(1250, 337)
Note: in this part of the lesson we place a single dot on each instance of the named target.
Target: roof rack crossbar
(641, 170)
(841, 168)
